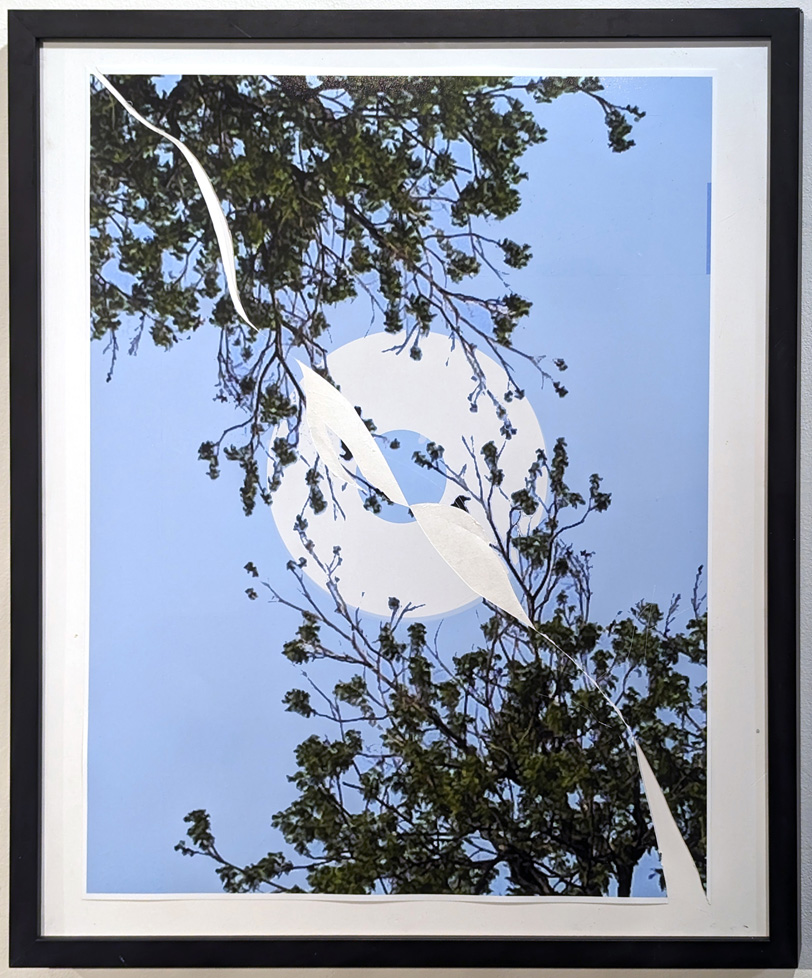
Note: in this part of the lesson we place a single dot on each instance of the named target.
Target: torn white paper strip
(212, 201)
(465, 547)
(683, 882)
(328, 407)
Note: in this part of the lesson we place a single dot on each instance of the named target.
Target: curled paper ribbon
(218, 219)
(456, 536)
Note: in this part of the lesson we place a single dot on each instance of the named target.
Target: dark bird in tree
(460, 502)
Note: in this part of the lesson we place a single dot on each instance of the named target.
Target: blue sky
(186, 675)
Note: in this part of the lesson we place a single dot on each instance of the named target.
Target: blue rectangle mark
(708, 234)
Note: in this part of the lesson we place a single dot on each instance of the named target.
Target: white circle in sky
(382, 559)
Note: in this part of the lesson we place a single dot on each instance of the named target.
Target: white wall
(806, 431)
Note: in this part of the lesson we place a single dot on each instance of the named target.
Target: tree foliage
(495, 766)
(502, 765)
(334, 188)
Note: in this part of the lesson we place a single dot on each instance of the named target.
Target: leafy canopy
(498, 767)
(469, 769)
(334, 187)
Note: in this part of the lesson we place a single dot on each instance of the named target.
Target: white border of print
(737, 836)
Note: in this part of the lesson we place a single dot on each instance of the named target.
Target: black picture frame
(28, 29)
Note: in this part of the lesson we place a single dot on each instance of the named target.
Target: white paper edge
(737, 764)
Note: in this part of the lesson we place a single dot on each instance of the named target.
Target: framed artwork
(404, 488)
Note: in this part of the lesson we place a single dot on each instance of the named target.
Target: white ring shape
(381, 559)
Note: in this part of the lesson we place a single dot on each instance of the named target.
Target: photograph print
(399, 485)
